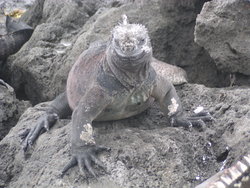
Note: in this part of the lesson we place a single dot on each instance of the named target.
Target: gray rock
(223, 28)
(231, 110)
(64, 29)
(10, 109)
(146, 150)
(7, 6)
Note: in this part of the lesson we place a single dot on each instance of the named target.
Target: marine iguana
(237, 176)
(17, 34)
(111, 81)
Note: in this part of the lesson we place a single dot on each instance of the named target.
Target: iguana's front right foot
(84, 157)
(29, 136)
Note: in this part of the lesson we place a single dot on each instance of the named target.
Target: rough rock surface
(223, 29)
(146, 150)
(7, 6)
(63, 29)
(10, 109)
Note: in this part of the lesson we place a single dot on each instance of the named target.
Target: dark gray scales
(17, 34)
(111, 81)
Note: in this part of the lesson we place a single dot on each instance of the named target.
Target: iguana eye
(141, 41)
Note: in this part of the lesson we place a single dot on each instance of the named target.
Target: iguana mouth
(133, 59)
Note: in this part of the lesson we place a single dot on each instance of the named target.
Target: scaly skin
(18, 34)
(112, 81)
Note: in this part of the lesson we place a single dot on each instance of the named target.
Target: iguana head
(130, 40)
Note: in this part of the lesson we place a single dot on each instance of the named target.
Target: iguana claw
(84, 157)
(29, 136)
(197, 120)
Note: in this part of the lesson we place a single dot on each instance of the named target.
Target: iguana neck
(131, 72)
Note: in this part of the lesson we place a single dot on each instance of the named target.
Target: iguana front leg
(58, 108)
(84, 148)
(170, 104)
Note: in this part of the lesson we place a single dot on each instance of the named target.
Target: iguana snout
(128, 46)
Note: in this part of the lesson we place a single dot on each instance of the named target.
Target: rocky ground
(146, 150)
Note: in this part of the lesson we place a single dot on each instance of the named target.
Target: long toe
(101, 149)
(199, 124)
(88, 166)
(81, 166)
(23, 134)
(71, 163)
(98, 162)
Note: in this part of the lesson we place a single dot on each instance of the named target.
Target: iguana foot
(201, 116)
(198, 120)
(29, 136)
(3, 83)
(84, 158)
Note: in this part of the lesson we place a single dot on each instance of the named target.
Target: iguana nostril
(128, 48)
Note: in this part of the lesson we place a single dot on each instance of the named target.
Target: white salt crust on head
(126, 30)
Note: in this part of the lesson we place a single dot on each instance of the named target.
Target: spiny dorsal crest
(124, 19)
(126, 29)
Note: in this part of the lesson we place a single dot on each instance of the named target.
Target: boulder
(10, 109)
(145, 150)
(223, 28)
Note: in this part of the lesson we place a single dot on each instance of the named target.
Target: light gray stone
(10, 109)
(223, 29)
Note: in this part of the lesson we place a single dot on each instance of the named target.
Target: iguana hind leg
(174, 74)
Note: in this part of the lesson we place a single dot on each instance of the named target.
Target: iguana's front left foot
(84, 157)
